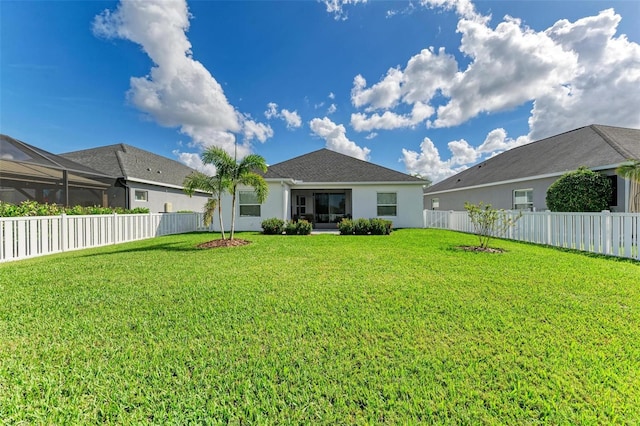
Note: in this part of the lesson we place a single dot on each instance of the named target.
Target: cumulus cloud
(565, 71)
(178, 91)
(336, 7)
(292, 118)
(428, 162)
(194, 161)
(336, 139)
(608, 69)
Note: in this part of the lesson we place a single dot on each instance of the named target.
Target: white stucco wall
(364, 204)
(409, 204)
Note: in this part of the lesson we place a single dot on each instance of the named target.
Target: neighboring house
(145, 179)
(519, 178)
(325, 186)
(28, 173)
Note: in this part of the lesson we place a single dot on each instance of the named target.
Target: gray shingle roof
(329, 166)
(591, 146)
(129, 162)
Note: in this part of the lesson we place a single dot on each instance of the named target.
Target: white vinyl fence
(24, 237)
(614, 234)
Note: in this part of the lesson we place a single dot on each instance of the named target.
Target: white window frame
(253, 203)
(144, 195)
(379, 204)
(435, 203)
(517, 200)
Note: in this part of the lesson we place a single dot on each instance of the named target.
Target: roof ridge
(121, 163)
(613, 144)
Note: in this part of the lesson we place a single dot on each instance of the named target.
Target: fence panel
(614, 234)
(26, 237)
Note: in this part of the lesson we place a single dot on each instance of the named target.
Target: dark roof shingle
(129, 162)
(328, 166)
(591, 146)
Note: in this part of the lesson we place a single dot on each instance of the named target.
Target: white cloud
(194, 161)
(335, 7)
(604, 90)
(511, 65)
(336, 139)
(178, 91)
(332, 108)
(292, 118)
(429, 163)
(390, 120)
(331, 95)
(272, 110)
(254, 130)
(371, 135)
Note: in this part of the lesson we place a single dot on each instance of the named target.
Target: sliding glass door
(329, 207)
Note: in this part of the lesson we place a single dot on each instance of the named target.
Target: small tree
(216, 186)
(488, 222)
(581, 190)
(631, 171)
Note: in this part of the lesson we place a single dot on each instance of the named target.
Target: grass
(325, 329)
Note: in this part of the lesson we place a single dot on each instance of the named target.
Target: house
(519, 178)
(325, 186)
(144, 179)
(28, 173)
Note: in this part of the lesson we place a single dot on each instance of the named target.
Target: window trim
(241, 204)
(529, 205)
(140, 191)
(378, 204)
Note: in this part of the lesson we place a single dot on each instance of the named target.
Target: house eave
(299, 183)
(161, 184)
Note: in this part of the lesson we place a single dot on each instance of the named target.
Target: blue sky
(428, 87)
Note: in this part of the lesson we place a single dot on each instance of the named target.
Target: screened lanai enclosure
(29, 173)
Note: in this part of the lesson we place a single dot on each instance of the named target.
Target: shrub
(291, 228)
(581, 190)
(273, 226)
(380, 226)
(304, 227)
(346, 227)
(361, 226)
(33, 208)
(488, 222)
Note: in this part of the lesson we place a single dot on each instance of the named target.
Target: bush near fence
(614, 234)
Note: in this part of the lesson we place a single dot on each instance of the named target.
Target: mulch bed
(481, 249)
(224, 243)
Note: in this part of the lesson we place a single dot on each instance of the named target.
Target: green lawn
(329, 329)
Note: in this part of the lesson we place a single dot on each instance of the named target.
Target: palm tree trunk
(634, 197)
(220, 217)
(233, 213)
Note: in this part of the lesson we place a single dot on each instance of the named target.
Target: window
(613, 201)
(140, 195)
(523, 199)
(301, 205)
(387, 204)
(435, 203)
(249, 205)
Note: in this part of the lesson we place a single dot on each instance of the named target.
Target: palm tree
(216, 185)
(231, 173)
(631, 171)
(244, 173)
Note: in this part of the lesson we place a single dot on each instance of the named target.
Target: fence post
(606, 232)
(64, 234)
